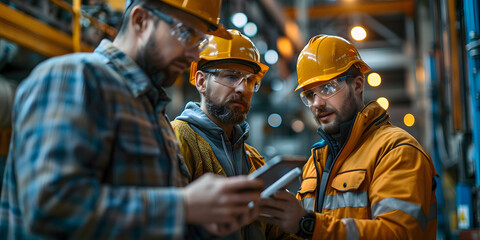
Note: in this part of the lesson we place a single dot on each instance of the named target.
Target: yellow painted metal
(101, 25)
(65, 5)
(93, 21)
(455, 69)
(77, 29)
(118, 5)
(371, 8)
(28, 32)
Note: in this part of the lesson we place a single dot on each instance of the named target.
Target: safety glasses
(324, 91)
(188, 36)
(233, 78)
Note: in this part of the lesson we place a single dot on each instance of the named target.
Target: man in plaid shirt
(93, 155)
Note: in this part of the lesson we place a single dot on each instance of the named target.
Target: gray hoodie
(229, 152)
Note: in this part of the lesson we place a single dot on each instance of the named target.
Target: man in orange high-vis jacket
(366, 179)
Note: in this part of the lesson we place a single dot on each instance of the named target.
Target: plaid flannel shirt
(92, 154)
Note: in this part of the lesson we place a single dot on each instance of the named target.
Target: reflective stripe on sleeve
(308, 203)
(352, 230)
(412, 209)
(347, 199)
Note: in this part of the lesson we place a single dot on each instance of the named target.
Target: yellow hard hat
(240, 50)
(326, 57)
(207, 10)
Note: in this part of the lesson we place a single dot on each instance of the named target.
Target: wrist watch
(306, 225)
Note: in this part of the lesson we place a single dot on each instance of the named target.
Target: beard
(348, 110)
(149, 62)
(223, 113)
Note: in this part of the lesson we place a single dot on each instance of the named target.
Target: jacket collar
(135, 78)
(371, 117)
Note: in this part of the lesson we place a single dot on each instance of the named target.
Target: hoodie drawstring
(228, 156)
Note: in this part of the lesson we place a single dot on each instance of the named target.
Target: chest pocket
(307, 193)
(349, 181)
(308, 185)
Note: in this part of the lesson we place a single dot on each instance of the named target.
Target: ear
(358, 85)
(138, 19)
(201, 82)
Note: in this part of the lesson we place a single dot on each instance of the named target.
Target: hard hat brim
(364, 68)
(220, 31)
(194, 67)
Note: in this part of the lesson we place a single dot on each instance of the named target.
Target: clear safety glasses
(324, 91)
(233, 78)
(188, 36)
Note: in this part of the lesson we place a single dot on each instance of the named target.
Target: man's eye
(231, 77)
(184, 32)
(309, 94)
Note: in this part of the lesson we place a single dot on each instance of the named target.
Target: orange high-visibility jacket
(381, 185)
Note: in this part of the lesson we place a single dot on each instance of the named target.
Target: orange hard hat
(239, 50)
(207, 10)
(326, 57)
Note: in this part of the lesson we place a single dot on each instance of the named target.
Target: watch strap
(307, 225)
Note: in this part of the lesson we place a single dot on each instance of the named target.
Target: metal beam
(372, 8)
(28, 32)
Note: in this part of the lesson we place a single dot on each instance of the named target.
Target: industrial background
(424, 54)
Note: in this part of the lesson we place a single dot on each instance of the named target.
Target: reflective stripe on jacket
(381, 185)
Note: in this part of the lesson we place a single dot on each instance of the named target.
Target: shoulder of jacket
(183, 131)
(180, 125)
(394, 137)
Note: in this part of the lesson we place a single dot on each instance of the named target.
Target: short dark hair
(354, 72)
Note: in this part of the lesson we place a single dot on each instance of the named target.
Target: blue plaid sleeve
(63, 142)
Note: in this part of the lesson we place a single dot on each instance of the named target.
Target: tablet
(277, 168)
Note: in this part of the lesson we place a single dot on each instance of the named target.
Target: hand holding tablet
(278, 173)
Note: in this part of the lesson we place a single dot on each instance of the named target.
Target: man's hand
(221, 204)
(282, 209)
(224, 229)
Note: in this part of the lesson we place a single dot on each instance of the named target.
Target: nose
(318, 101)
(242, 86)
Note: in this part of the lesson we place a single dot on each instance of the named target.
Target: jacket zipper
(327, 171)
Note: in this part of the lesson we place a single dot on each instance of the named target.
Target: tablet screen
(277, 167)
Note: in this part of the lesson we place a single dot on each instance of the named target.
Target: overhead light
(358, 33)
(374, 79)
(298, 126)
(277, 85)
(239, 19)
(271, 57)
(409, 120)
(250, 29)
(274, 120)
(261, 46)
(285, 47)
(383, 102)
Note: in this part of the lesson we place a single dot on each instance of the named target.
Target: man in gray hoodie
(212, 133)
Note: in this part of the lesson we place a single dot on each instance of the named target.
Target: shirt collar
(136, 79)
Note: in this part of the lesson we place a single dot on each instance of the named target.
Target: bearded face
(339, 109)
(232, 109)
